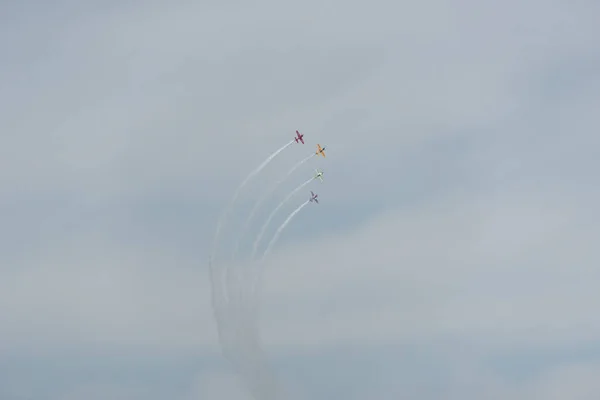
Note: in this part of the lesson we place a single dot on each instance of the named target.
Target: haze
(453, 254)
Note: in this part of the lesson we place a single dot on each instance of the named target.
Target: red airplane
(299, 137)
(313, 197)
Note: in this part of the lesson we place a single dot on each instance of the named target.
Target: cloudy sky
(454, 252)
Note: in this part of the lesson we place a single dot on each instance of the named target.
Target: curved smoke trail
(251, 303)
(239, 338)
(250, 299)
(264, 196)
(282, 227)
(239, 341)
(225, 213)
(262, 230)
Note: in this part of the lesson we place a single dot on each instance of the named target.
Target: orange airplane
(320, 150)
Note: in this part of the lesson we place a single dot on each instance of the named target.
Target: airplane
(320, 150)
(299, 137)
(319, 174)
(313, 197)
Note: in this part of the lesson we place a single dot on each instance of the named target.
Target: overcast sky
(454, 252)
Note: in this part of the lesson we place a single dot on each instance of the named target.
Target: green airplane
(319, 174)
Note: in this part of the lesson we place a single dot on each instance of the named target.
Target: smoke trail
(282, 227)
(246, 298)
(225, 213)
(262, 230)
(251, 302)
(249, 273)
(238, 335)
(263, 198)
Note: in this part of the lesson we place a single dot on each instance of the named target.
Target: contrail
(262, 230)
(282, 227)
(263, 198)
(236, 194)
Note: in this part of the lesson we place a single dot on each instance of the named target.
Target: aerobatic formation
(235, 285)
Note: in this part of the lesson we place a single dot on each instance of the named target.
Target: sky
(452, 255)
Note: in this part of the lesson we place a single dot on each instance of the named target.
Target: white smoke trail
(225, 213)
(249, 273)
(282, 227)
(250, 301)
(227, 274)
(262, 230)
(237, 334)
(264, 196)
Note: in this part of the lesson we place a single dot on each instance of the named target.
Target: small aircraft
(319, 174)
(313, 197)
(299, 137)
(320, 150)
